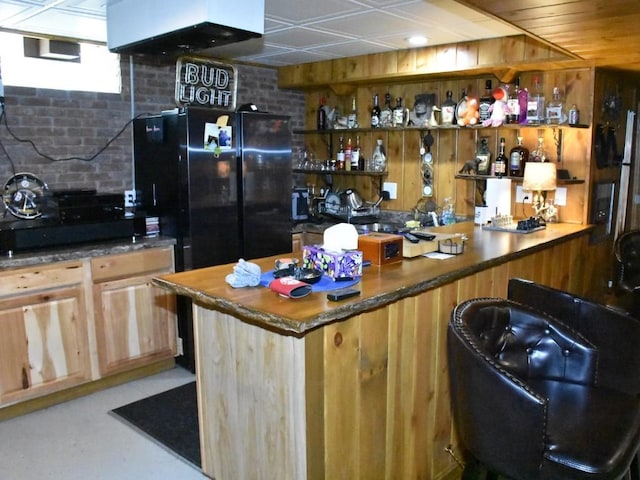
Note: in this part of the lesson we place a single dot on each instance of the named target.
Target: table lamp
(539, 178)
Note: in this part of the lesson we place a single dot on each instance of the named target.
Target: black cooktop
(25, 235)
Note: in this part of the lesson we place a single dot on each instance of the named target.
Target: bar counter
(313, 389)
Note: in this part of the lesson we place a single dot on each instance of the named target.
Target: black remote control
(423, 235)
(343, 294)
(411, 238)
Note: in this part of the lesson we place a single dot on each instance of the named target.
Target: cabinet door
(296, 242)
(135, 323)
(44, 345)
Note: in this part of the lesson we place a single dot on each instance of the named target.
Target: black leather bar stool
(615, 333)
(526, 399)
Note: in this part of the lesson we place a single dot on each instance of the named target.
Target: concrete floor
(81, 440)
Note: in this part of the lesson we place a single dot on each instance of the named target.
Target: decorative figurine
(470, 114)
(422, 112)
(470, 167)
(498, 109)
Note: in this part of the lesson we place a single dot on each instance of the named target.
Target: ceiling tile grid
(296, 31)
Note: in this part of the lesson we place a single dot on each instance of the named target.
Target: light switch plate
(560, 197)
(392, 188)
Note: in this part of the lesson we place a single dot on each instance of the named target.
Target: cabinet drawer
(111, 267)
(31, 279)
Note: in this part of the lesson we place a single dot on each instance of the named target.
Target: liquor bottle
(483, 156)
(448, 108)
(513, 104)
(539, 155)
(348, 152)
(485, 102)
(352, 118)
(536, 105)
(355, 155)
(386, 113)
(523, 100)
(500, 165)
(378, 161)
(398, 114)
(555, 109)
(375, 113)
(574, 115)
(321, 116)
(340, 154)
(518, 156)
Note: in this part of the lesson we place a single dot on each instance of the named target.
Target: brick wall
(70, 124)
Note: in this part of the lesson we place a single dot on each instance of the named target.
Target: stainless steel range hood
(172, 27)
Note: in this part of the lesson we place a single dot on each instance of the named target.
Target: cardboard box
(344, 264)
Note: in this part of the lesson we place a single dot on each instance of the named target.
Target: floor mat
(170, 418)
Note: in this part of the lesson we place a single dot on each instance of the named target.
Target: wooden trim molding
(502, 57)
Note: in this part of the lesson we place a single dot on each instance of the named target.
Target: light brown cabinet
(135, 321)
(69, 323)
(44, 344)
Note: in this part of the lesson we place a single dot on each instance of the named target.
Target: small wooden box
(381, 248)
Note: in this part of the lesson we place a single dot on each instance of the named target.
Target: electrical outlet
(392, 188)
(129, 198)
(522, 196)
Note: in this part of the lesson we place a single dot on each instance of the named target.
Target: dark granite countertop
(80, 251)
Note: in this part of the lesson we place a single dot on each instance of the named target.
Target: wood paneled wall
(453, 147)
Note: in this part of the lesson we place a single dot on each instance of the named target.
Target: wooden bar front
(362, 393)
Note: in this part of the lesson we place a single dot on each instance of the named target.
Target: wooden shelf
(559, 181)
(440, 127)
(363, 173)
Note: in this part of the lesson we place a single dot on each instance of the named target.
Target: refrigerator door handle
(155, 200)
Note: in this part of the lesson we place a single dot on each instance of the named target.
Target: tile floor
(81, 440)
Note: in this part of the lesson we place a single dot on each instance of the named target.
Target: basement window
(88, 68)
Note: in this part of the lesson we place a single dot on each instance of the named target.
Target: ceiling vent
(170, 27)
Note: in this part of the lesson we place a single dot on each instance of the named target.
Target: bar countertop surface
(379, 285)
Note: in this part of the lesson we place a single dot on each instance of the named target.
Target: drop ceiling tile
(309, 12)
(304, 37)
(271, 24)
(352, 48)
(367, 24)
(434, 37)
(389, 3)
(9, 10)
(75, 25)
(291, 57)
(447, 14)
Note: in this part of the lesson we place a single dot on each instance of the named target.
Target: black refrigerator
(220, 183)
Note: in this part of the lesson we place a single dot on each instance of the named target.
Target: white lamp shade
(539, 176)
